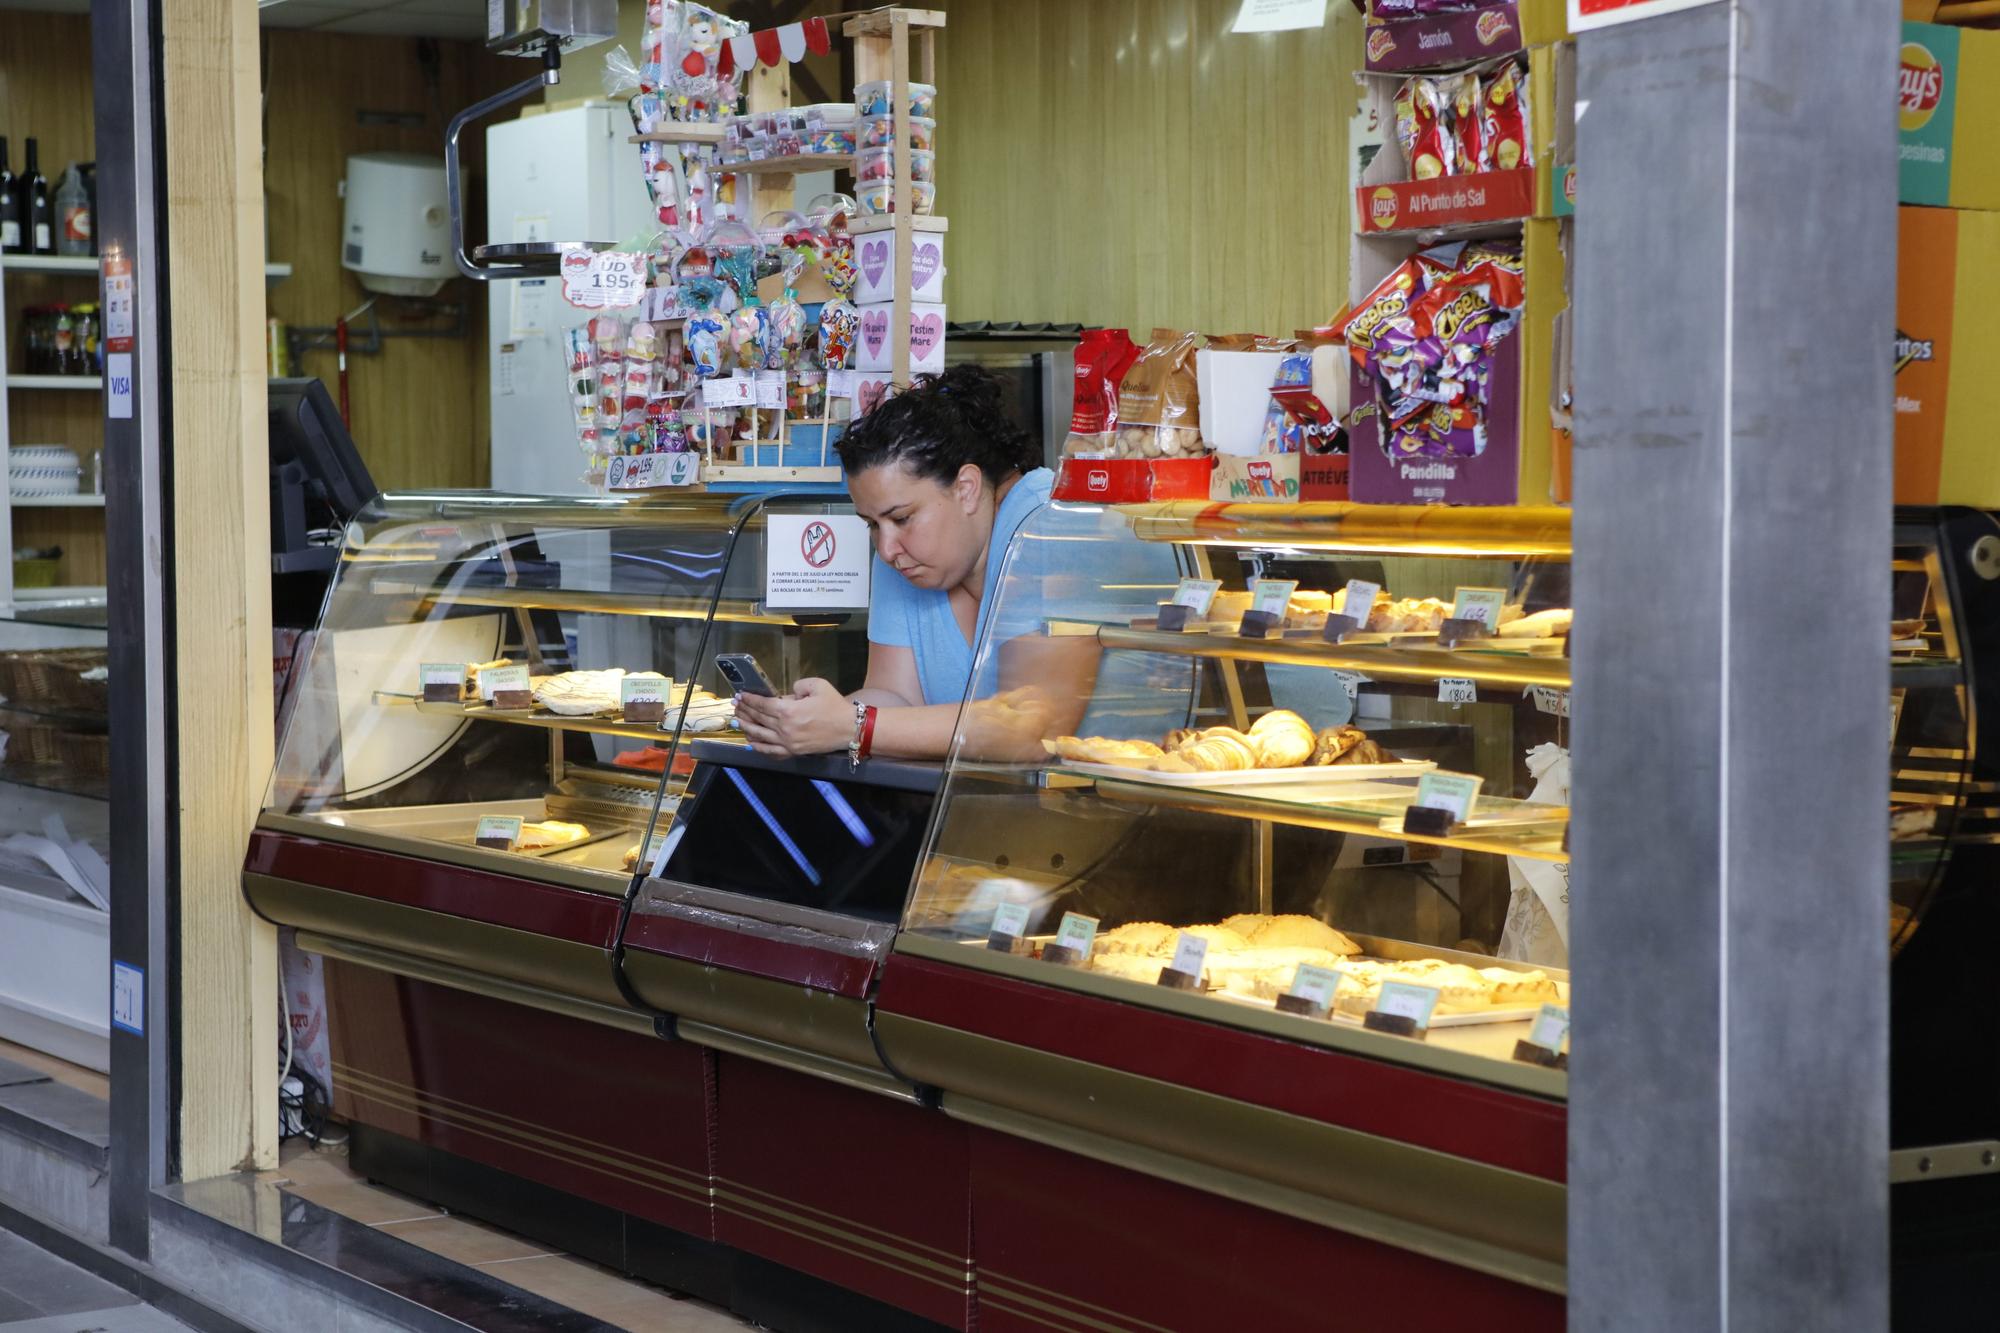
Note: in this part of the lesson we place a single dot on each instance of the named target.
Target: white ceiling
(464, 20)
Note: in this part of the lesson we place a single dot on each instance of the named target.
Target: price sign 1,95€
(603, 279)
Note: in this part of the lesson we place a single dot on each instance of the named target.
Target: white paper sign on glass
(1350, 682)
(1455, 792)
(843, 383)
(815, 562)
(1457, 690)
(1077, 932)
(1551, 1028)
(1010, 919)
(1480, 604)
(1190, 954)
(1549, 699)
(1404, 999)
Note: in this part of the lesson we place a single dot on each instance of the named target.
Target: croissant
(1282, 739)
(1220, 754)
(1367, 752)
(1176, 738)
(1334, 743)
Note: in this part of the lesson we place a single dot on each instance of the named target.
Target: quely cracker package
(1103, 356)
(1159, 403)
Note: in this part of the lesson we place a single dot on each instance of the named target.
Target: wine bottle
(38, 217)
(10, 210)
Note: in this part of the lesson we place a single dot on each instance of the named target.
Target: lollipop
(839, 322)
(797, 244)
(704, 329)
(749, 336)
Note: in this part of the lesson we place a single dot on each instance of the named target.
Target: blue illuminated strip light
(848, 814)
(771, 823)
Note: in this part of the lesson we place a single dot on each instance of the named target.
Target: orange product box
(1947, 271)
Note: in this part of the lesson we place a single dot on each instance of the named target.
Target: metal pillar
(1734, 280)
(125, 52)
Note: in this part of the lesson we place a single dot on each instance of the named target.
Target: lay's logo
(1492, 26)
(1382, 208)
(1380, 42)
(1920, 87)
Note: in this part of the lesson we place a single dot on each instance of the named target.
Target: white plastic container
(880, 132)
(873, 98)
(43, 469)
(874, 197)
(879, 164)
(55, 977)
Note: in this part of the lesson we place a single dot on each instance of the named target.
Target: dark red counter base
(729, 1178)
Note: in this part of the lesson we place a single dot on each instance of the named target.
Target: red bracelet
(864, 735)
(867, 732)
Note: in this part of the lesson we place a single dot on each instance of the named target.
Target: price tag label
(1480, 604)
(1076, 934)
(729, 391)
(604, 279)
(1457, 690)
(642, 698)
(1272, 596)
(1551, 1028)
(1549, 699)
(1453, 792)
(1316, 985)
(1407, 1000)
(502, 832)
(442, 682)
(1190, 954)
(1190, 604)
(843, 383)
(771, 390)
(1350, 682)
(495, 683)
(1357, 599)
(1010, 919)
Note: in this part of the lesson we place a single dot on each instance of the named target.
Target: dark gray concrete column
(1734, 284)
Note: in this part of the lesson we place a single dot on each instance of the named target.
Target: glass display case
(502, 682)
(1258, 821)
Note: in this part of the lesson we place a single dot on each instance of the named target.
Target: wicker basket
(86, 754)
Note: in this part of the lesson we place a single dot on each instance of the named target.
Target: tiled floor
(323, 1177)
(76, 1076)
(40, 1293)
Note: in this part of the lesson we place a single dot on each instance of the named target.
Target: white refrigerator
(559, 176)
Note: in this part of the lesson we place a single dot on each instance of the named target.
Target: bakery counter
(1442, 1152)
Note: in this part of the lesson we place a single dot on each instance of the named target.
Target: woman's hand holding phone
(816, 718)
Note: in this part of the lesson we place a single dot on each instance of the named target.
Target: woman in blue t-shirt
(944, 478)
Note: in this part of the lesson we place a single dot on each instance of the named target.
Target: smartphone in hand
(742, 672)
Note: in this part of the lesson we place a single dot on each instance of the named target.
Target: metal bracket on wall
(1944, 1161)
(367, 340)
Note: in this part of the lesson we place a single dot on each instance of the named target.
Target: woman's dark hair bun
(941, 423)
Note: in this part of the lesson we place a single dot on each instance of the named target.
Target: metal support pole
(1735, 278)
(125, 44)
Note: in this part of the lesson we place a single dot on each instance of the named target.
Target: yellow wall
(1131, 162)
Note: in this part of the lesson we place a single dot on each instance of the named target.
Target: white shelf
(88, 264)
(50, 263)
(91, 382)
(58, 502)
(61, 594)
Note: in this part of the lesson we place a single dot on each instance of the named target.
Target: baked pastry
(1332, 745)
(1135, 937)
(1410, 615)
(549, 833)
(1101, 750)
(470, 691)
(1227, 607)
(586, 693)
(1221, 939)
(1217, 750)
(1541, 625)
(1178, 737)
(631, 858)
(1282, 739)
(1308, 608)
(1292, 931)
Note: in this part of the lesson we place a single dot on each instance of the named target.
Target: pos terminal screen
(814, 841)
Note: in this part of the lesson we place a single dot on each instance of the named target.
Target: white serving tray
(1324, 775)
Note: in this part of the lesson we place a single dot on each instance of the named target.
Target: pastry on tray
(1541, 625)
(587, 693)
(1282, 739)
(1278, 739)
(549, 833)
